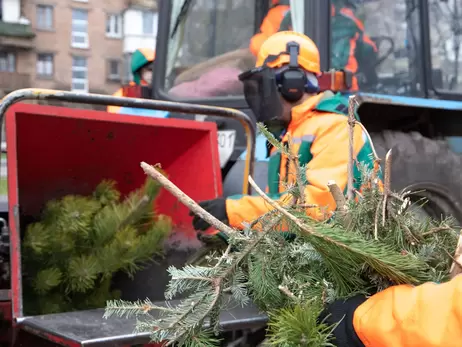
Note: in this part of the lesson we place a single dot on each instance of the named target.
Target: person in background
(141, 67)
(352, 49)
(270, 24)
(316, 122)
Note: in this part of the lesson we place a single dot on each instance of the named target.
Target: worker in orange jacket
(270, 25)
(141, 67)
(288, 63)
(428, 315)
(352, 49)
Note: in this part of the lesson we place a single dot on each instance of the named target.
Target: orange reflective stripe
(349, 13)
(352, 64)
(369, 41)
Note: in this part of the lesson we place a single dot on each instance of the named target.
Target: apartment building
(76, 45)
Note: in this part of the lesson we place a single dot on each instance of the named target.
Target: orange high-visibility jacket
(319, 131)
(429, 315)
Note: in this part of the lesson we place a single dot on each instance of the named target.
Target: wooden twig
(337, 195)
(298, 176)
(307, 206)
(376, 220)
(184, 199)
(277, 206)
(387, 185)
(340, 203)
(435, 230)
(351, 128)
(374, 152)
(456, 267)
(357, 193)
(287, 292)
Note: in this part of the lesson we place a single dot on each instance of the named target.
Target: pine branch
(272, 140)
(292, 275)
(128, 309)
(82, 241)
(298, 326)
(369, 255)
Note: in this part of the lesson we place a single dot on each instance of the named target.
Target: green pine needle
(82, 241)
(297, 325)
(47, 279)
(292, 277)
(106, 193)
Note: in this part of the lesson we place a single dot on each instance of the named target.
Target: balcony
(16, 35)
(10, 81)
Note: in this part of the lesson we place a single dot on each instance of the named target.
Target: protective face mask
(146, 75)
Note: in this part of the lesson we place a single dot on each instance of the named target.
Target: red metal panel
(54, 151)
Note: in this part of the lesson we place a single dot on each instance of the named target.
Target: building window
(7, 62)
(113, 25)
(45, 65)
(114, 68)
(79, 74)
(80, 29)
(45, 17)
(148, 23)
(127, 74)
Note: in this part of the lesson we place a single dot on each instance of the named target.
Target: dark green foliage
(297, 326)
(350, 253)
(71, 255)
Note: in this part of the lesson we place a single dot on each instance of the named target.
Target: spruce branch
(184, 199)
(272, 140)
(378, 258)
(291, 265)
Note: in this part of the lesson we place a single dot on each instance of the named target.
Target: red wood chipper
(54, 151)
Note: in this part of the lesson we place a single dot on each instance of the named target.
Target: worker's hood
(140, 58)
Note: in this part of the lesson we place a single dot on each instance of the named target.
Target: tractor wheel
(426, 167)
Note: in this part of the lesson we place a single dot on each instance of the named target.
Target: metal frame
(98, 99)
(318, 28)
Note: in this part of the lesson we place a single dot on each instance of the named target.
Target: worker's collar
(302, 111)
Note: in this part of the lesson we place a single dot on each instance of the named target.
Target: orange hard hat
(276, 48)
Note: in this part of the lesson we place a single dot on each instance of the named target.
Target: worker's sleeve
(329, 151)
(115, 109)
(428, 315)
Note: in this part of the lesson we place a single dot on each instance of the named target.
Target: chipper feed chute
(55, 151)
